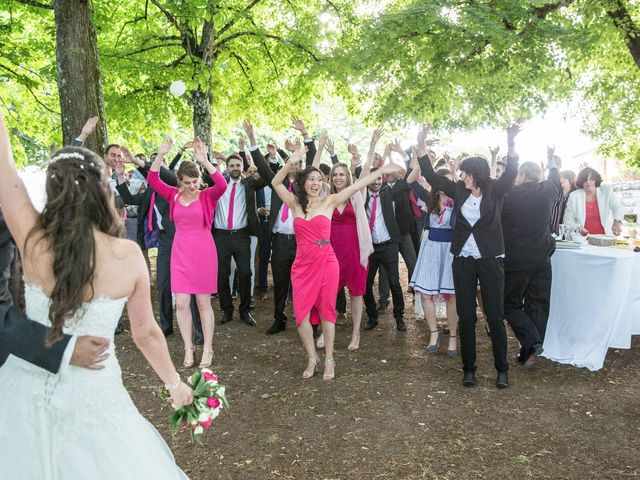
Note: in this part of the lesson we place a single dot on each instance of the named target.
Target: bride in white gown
(79, 423)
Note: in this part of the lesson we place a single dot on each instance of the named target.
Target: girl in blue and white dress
(433, 277)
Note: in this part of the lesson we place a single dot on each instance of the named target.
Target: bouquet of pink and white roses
(208, 399)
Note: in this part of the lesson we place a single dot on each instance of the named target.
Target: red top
(592, 221)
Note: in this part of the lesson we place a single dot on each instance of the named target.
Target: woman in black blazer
(478, 249)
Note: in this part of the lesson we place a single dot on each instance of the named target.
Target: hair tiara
(60, 156)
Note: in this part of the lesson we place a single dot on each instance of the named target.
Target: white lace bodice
(98, 317)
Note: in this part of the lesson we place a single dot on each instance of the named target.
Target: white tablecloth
(595, 304)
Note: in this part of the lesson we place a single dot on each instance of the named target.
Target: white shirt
(471, 211)
(283, 227)
(380, 233)
(267, 198)
(239, 208)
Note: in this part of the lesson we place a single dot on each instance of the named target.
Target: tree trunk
(78, 66)
(617, 11)
(202, 115)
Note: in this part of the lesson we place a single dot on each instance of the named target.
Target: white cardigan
(609, 207)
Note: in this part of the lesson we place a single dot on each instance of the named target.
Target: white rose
(203, 417)
(198, 430)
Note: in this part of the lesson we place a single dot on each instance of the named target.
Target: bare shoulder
(119, 265)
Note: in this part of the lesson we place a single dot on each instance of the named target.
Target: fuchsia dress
(194, 260)
(344, 239)
(315, 271)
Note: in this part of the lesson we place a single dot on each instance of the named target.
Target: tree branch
(542, 12)
(233, 36)
(235, 19)
(33, 3)
(173, 20)
(240, 61)
(26, 85)
(153, 47)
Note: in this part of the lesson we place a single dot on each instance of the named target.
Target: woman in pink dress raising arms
(315, 272)
(194, 262)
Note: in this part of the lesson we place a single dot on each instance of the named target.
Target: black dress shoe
(226, 318)
(277, 327)
(119, 328)
(371, 324)
(522, 356)
(502, 381)
(400, 325)
(534, 352)
(469, 379)
(248, 319)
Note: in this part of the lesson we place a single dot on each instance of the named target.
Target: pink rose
(206, 423)
(213, 402)
(209, 376)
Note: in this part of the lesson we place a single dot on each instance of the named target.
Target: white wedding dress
(79, 424)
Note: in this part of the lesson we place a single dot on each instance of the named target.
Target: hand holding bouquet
(208, 399)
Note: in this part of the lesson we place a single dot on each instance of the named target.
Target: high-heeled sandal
(435, 347)
(188, 352)
(355, 343)
(315, 361)
(203, 363)
(332, 362)
(454, 352)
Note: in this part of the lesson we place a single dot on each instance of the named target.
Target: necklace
(189, 202)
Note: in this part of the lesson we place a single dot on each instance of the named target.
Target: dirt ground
(395, 412)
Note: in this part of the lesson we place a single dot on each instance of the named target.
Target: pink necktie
(150, 214)
(414, 205)
(285, 210)
(374, 209)
(231, 202)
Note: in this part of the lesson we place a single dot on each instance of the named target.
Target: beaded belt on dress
(319, 242)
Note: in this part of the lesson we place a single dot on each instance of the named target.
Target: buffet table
(595, 304)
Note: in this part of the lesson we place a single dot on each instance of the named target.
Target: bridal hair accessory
(208, 399)
(60, 156)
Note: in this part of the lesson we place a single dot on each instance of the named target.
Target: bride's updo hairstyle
(79, 200)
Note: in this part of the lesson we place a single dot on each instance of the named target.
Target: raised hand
(272, 149)
(127, 156)
(396, 147)
(377, 135)
(432, 156)
(298, 124)
(388, 168)
(423, 133)
(288, 144)
(199, 150)
(353, 150)
(89, 126)
(218, 155)
(165, 147)
(551, 150)
(494, 151)
(241, 144)
(250, 131)
(187, 145)
(330, 147)
(514, 129)
(322, 139)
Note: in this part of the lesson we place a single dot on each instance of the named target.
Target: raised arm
(377, 134)
(322, 142)
(154, 178)
(436, 181)
(88, 128)
(285, 195)
(362, 183)
(259, 161)
(494, 160)
(504, 184)
(19, 212)
(200, 156)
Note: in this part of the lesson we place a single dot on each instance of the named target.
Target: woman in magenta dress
(351, 240)
(194, 262)
(315, 273)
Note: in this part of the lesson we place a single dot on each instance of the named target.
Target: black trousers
(264, 250)
(283, 253)
(7, 253)
(527, 296)
(236, 244)
(385, 254)
(341, 301)
(490, 272)
(408, 252)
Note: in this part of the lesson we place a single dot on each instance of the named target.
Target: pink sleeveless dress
(344, 239)
(315, 271)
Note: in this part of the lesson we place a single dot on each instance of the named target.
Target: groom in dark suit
(25, 339)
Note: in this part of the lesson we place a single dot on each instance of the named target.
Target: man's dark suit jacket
(19, 335)
(267, 174)
(404, 214)
(386, 202)
(525, 223)
(487, 231)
